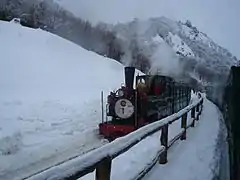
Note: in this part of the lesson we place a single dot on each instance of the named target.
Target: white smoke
(127, 58)
(164, 61)
(162, 57)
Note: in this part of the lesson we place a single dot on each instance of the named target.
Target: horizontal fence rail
(101, 158)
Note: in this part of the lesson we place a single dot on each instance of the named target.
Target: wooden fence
(101, 159)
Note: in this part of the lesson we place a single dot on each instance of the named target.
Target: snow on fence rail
(101, 158)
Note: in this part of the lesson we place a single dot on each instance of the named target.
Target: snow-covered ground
(179, 45)
(49, 99)
(195, 158)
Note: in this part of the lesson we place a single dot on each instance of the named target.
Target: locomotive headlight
(124, 108)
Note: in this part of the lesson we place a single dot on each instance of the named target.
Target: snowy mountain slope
(217, 18)
(179, 45)
(198, 55)
(49, 99)
(176, 34)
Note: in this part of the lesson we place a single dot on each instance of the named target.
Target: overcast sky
(220, 19)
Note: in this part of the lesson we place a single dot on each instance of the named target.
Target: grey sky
(218, 18)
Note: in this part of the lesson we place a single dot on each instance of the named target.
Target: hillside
(198, 54)
(49, 100)
(217, 18)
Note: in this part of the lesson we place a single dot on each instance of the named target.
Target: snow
(49, 99)
(179, 45)
(195, 158)
(157, 39)
(197, 36)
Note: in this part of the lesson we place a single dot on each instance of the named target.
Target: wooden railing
(101, 159)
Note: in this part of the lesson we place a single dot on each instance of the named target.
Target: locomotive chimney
(129, 77)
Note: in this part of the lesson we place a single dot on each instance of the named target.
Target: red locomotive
(153, 98)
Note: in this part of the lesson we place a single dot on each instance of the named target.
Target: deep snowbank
(49, 99)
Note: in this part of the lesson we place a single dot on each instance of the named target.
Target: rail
(101, 159)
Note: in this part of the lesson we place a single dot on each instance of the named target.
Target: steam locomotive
(153, 98)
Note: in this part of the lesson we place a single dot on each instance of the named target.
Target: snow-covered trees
(188, 23)
(48, 15)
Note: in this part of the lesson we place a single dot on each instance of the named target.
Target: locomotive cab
(155, 85)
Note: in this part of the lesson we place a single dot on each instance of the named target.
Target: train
(152, 98)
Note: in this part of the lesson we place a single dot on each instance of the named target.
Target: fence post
(197, 111)
(184, 125)
(102, 106)
(193, 116)
(103, 170)
(164, 142)
(201, 106)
